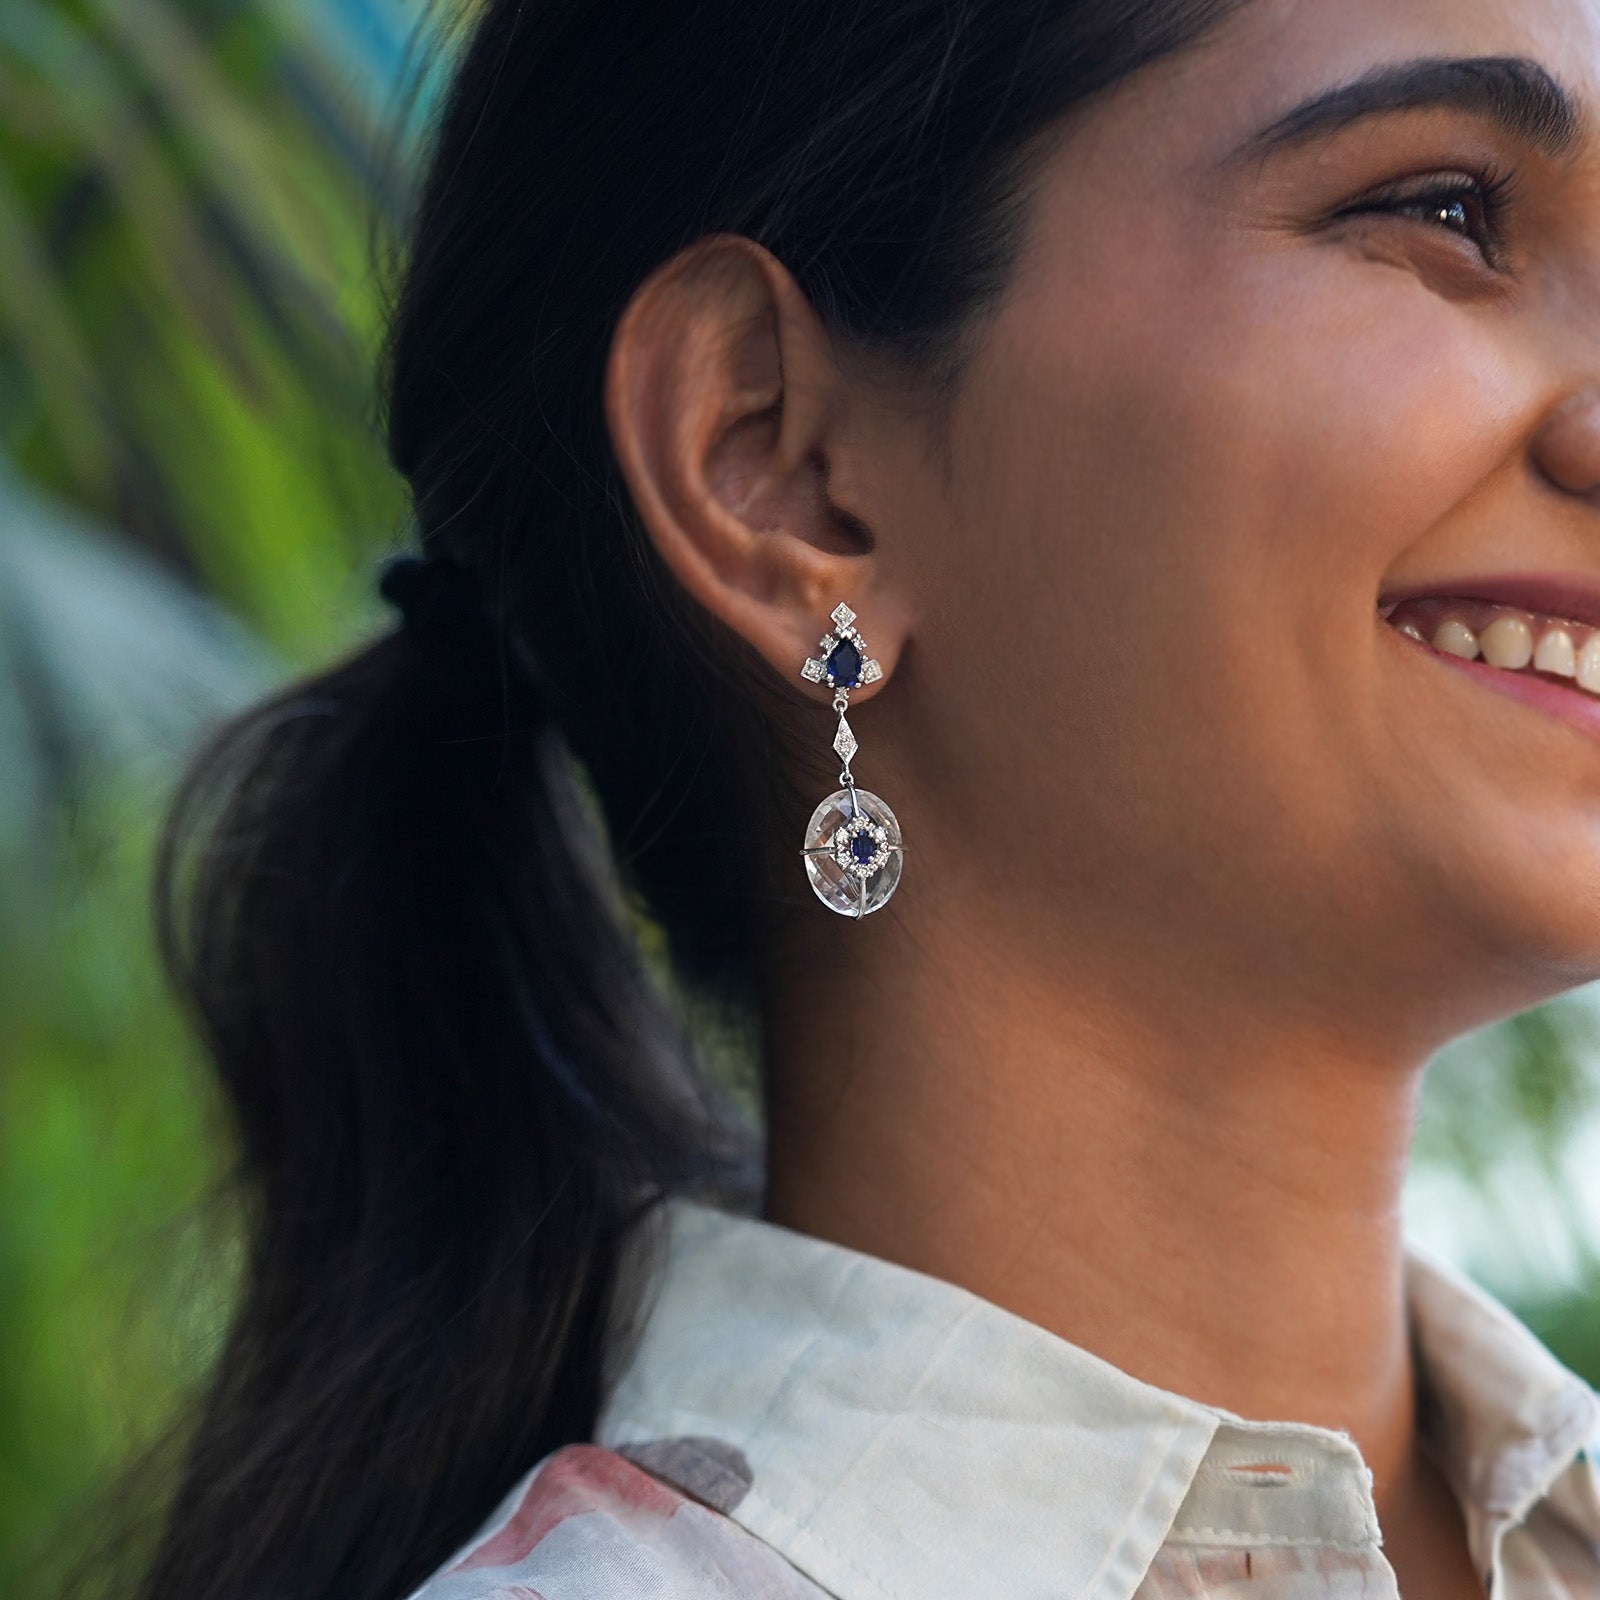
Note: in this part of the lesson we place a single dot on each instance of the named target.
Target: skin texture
(1204, 860)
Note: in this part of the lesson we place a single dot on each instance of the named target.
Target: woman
(1197, 405)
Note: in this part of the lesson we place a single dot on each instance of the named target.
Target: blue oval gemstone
(844, 665)
(863, 847)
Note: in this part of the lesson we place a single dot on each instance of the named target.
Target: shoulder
(587, 1524)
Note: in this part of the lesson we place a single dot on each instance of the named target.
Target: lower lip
(1574, 705)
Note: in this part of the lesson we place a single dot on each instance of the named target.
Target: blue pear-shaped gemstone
(844, 665)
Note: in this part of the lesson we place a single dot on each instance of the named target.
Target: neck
(1202, 1191)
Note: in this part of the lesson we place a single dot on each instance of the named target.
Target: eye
(1472, 206)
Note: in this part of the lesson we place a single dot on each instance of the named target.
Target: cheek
(1226, 463)
(1191, 487)
(1320, 414)
(1346, 411)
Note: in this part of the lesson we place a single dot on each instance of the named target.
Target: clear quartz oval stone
(871, 848)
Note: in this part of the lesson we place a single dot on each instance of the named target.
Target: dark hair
(404, 898)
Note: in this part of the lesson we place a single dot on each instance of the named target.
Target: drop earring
(852, 850)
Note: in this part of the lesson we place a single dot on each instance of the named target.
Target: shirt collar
(1508, 1424)
(897, 1436)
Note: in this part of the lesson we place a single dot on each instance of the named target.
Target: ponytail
(454, 1086)
(399, 896)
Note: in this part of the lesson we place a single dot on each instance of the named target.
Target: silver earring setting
(853, 850)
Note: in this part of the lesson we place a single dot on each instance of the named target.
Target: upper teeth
(1504, 637)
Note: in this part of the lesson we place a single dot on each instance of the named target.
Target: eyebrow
(1514, 94)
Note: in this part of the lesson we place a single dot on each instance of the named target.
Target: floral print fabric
(791, 1419)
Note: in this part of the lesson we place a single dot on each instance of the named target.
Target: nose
(1567, 445)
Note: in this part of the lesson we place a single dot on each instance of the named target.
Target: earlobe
(724, 401)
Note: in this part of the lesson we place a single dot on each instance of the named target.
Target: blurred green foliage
(187, 296)
(192, 197)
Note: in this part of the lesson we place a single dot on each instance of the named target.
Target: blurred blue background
(194, 195)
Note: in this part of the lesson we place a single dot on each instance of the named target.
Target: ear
(725, 404)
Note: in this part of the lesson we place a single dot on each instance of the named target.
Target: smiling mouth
(1532, 637)
(1510, 639)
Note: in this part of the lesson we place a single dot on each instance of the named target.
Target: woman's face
(1241, 392)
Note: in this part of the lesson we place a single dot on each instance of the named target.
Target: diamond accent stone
(814, 671)
(842, 616)
(844, 742)
(870, 670)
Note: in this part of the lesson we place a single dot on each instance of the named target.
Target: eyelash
(1487, 192)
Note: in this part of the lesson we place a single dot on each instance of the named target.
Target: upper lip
(1573, 596)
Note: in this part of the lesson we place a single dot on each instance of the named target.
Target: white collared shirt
(795, 1419)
